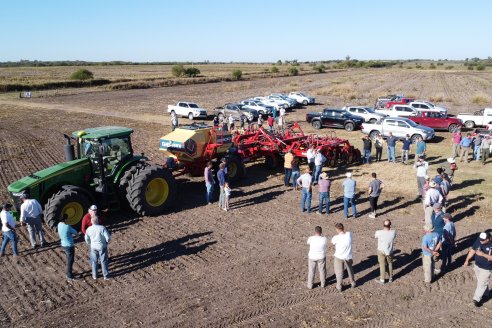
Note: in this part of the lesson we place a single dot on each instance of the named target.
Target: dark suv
(335, 118)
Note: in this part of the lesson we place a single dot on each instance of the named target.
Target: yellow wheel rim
(74, 211)
(232, 169)
(157, 192)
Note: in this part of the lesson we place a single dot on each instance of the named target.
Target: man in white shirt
(432, 196)
(319, 160)
(310, 158)
(31, 213)
(305, 181)
(343, 255)
(422, 167)
(97, 237)
(386, 238)
(317, 256)
(8, 230)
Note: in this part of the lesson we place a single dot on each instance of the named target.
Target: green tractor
(102, 170)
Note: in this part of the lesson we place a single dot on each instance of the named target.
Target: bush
(178, 70)
(293, 71)
(449, 67)
(320, 68)
(191, 72)
(82, 75)
(480, 67)
(470, 68)
(237, 74)
(274, 69)
(432, 66)
(279, 62)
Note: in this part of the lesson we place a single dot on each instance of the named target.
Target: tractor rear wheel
(235, 169)
(126, 177)
(151, 190)
(272, 162)
(67, 201)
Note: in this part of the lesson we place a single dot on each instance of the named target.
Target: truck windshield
(193, 105)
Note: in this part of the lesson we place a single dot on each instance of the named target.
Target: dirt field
(198, 266)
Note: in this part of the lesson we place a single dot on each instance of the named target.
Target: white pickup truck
(481, 117)
(187, 109)
(369, 114)
(399, 127)
(398, 111)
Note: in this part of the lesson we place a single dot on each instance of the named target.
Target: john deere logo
(190, 147)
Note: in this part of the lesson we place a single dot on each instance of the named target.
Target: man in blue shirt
(405, 149)
(420, 149)
(349, 195)
(465, 145)
(221, 176)
(391, 142)
(482, 250)
(66, 234)
(448, 237)
(431, 243)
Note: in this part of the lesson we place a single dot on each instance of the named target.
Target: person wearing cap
(448, 241)
(319, 160)
(8, 230)
(349, 186)
(375, 188)
(317, 257)
(305, 181)
(30, 214)
(465, 145)
(343, 255)
(86, 220)
(456, 142)
(98, 237)
(485, 147)
(324, 184)
(431, 243)
(481, 250)
(288, 167)
(66, 233)
(390, 144)
(432, 197)
(405, 149)
(386, 240)
(421, 166)
(420, 149)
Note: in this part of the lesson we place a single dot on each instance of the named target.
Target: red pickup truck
(436, 120)
(400, 101)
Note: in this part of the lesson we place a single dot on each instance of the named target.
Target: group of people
(223, 181)
(462, 145)
(390, 143)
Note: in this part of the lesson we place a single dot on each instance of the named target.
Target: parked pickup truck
(335, 118)
(236, 110)
(368, 114)
(481, 117)
(381, 101)
(398, 111)
(401, 101)
(188, 109)
(400, 127)
(302, 98)
(436, 120)
(421, 105)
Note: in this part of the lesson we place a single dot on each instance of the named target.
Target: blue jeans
(288, 173)
(476, 153)
(70, 253)
(367, 156)
(295, 176)
(97, 254)
(306, 197)
(9, 236)
(324, 197)
(346, 201)
(317, 172)
(210, 192)
(391, 153)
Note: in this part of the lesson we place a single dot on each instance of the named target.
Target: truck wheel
(316, 125)
(469, 124)
(452, 127)
(67, 201)
(373, 134)
(305, 102)
(414, 138)
(235, 169)
(151, 190)
(372, 120)
(190, 116)
(349, 127)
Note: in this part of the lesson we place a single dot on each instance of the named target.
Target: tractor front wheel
(151, 190)
(67, 201)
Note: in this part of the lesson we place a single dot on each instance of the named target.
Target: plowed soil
(198, 266)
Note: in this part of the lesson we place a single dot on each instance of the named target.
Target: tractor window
(114, 151)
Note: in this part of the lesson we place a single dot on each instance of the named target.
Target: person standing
(391, 143)
(422, 167)
(310, 153)
(455, 151)
(375, 188)
(66, 233)
(271, 122)
(465, 145)
(295, 171)
(481, 250)
(386, 239)
(174, 120)
(448, 242)
(349, 186)
(209, 182)
(324, 193)
(216, 122)
(281, 119)
(8, 230)
(30, 214)
(97, 237)
(343, 255)
(260, 121)
(221, 176)
(288, 167)
(405, 149)
(319, 160)
(86, 220)
(231, 122)
(420, 148)
(366, 159)
(242, 119)
(378, 143)
(317, 257)
(485, 147)
(477, 143)
(431, 244)
(432, 198)
(305, 181)
(227, 196)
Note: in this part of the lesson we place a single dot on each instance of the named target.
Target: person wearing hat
(375, 188)
(421, 166)
(431, 243)
(86, 220)
(448, 238)
(481, 250)
(349, 186)
(30, 214)
(432, 197)
(8, 230)
(324, 184)
(465, 145)
(306, 181)
(485, 148)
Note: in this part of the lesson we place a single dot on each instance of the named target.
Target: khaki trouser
(485, 154)
(338, 264)
(483, 279)
(383, 259)
(456, 150)
(428, 210)
(464, 150)
(428, 266)
(311, 271)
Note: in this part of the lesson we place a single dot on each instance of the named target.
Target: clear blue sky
(244, 30)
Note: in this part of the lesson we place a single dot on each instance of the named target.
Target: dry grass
(480, 99)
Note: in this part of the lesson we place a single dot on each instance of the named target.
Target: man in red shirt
(456, 143)
(270, 121)
(86, 220)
